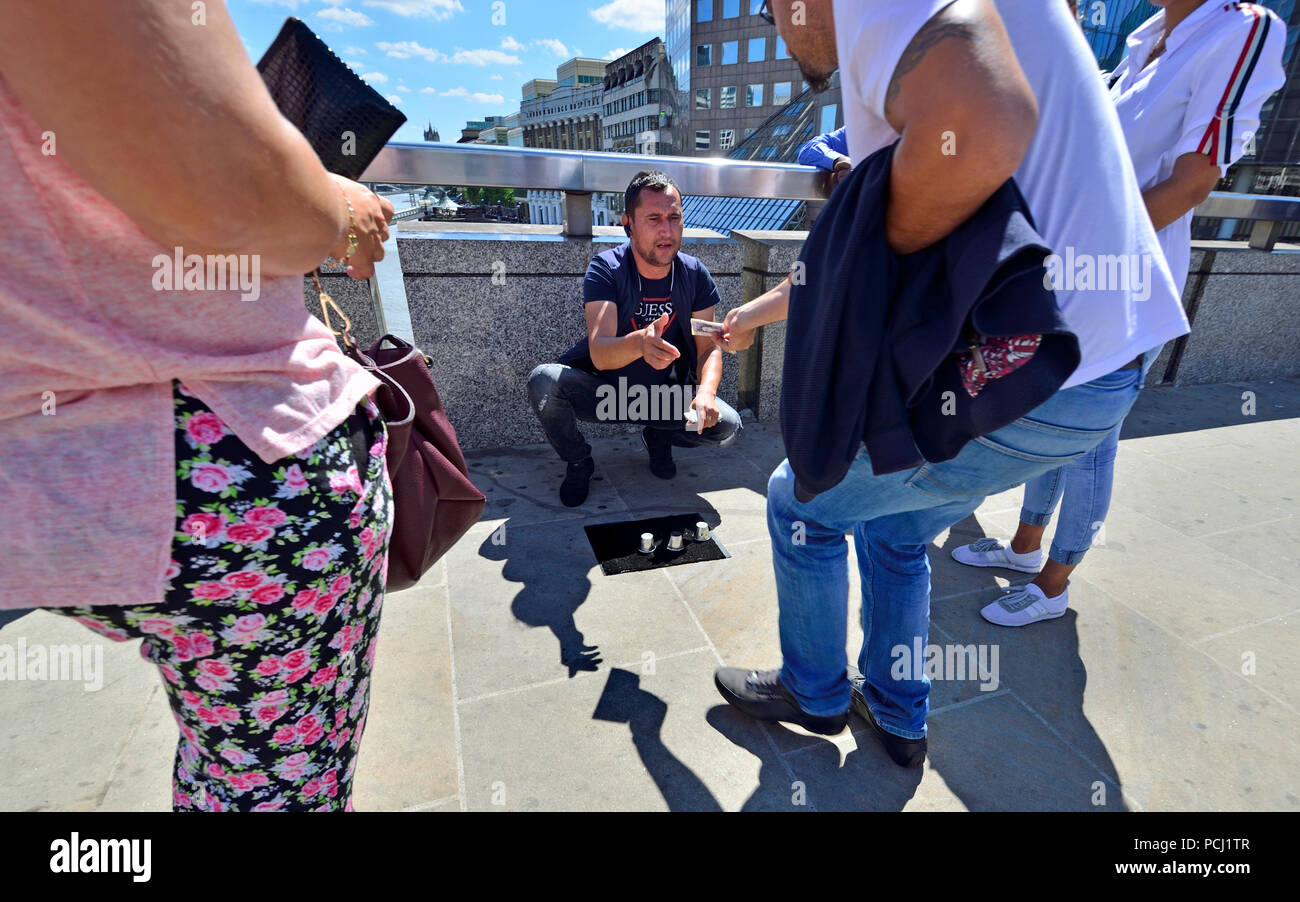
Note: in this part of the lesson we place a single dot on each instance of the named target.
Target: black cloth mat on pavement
(615, 544)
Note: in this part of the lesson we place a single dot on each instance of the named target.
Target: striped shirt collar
(1143, 38)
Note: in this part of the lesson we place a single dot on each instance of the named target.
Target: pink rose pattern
(267, 636)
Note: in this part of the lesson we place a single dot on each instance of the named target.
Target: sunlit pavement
(517, 676)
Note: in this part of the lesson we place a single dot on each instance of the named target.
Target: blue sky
(449, 61)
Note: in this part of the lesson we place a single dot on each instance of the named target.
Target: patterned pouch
(987, 358)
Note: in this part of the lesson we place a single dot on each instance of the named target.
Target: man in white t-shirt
(1014, 85)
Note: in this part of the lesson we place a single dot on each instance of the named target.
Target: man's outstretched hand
(654, 350)
(736, 334)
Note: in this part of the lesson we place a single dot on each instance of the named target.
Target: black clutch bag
(346, 121)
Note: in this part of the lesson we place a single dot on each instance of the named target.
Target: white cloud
(355, 51)
(497, 77)
(475, 96)
(354, 64)
(345, 17)
(403, 88)
(428, 91)
(437, 9)
(393, 99)
(635, 15)
(484, 58)
(615, 54)
(553, 45)
(377, 78)
(509, 43)
(407, 49)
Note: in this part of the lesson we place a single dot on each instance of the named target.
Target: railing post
(1264, 234)
(577, 214)
(388, 294)
(812, 210)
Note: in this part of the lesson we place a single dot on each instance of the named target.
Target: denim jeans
(1086, 484)
(562, 395)
(893, 518)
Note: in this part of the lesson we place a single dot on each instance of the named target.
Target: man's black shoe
(660, 445)
(577, 479)
(762, 695)
(904, 752)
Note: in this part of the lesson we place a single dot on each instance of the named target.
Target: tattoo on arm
(932, 33)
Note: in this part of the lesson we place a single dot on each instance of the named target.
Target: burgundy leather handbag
(434, 502)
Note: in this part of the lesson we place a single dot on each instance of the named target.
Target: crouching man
(639, 362)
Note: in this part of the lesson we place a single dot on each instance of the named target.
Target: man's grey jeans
(562, 395)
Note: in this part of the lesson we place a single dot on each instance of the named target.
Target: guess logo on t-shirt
(650, 309)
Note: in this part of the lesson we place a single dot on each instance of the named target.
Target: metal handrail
(1270, 213)
(1222, 205)
(580, 173)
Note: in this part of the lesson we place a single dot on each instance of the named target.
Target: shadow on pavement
(998, 754)
(624, 701)
(1169, 409)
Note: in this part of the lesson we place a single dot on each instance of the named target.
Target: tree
(490, 196)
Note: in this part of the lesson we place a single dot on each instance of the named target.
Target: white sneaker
(1023, 605)
(992, 552)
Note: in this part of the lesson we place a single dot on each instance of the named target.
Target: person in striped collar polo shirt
(1189, 94)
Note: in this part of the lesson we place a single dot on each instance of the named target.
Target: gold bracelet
(352, 235)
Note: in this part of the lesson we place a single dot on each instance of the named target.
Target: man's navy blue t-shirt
(655, 301)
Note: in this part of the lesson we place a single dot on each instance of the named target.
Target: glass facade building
(1107, 25)
(777, 140)
(731, 71)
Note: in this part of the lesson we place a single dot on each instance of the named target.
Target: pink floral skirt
(266, 636)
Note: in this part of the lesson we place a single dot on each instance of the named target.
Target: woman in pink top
(185, 456)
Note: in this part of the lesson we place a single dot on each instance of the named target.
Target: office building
(731, 72)
(514, 132)
(635, 115)
(564, 114)
(777, 140)
(489, 130)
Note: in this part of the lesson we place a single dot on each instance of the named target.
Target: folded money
(705, 327)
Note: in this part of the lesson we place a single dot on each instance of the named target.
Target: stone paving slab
(409, 754)
(1140, 694)
(61, 742)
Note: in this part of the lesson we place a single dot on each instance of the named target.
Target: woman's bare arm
(1190, 183)
(169, 120)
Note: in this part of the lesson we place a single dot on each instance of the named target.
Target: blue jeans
(893, 518)
(1086, 484)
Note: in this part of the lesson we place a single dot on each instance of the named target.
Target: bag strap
(326, 303)
(354, 351)
(398, 391)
